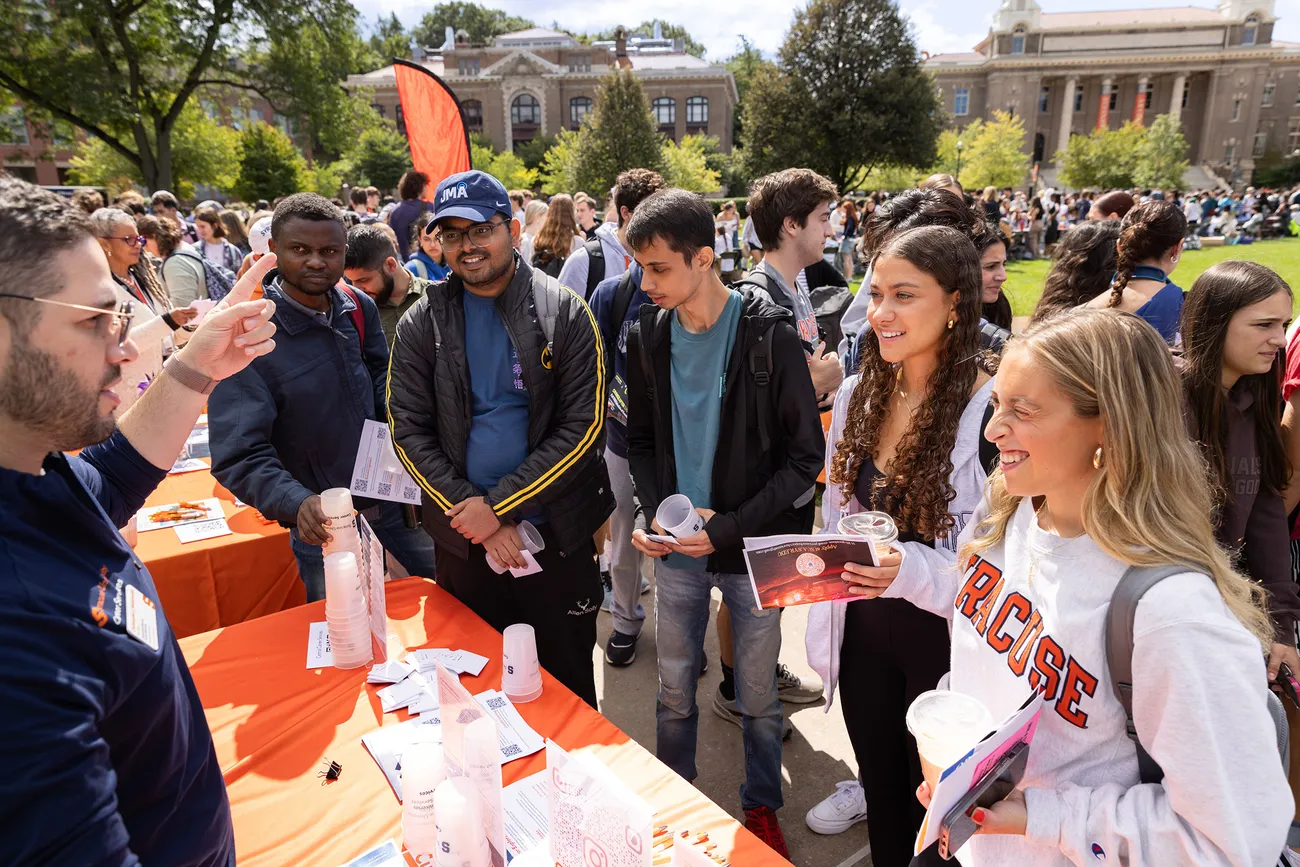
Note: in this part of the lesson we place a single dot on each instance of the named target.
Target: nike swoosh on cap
(502, 205)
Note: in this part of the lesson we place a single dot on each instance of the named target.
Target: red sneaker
(761, 821)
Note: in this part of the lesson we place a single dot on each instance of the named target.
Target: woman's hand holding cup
(871, 581)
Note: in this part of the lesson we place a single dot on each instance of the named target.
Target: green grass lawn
(1025, 279)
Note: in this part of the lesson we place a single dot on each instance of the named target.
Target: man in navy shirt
(106, 753)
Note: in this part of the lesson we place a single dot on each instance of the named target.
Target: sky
(941, 25)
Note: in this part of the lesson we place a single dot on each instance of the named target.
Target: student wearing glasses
(158, 325)
(496, 398)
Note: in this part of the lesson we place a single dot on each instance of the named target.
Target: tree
(892, 178)
(381, 156)
(327, 179)
(743, 65)
(993, 157)
(850, 94)
(1162, 157)
(125, 71)
(203, 152)
(506, 167)
(686, 165)
(270, 165)
(559, 168)
(617, 135)
(480, 22)
(389, 40)
(534, 151)
(1104, 159)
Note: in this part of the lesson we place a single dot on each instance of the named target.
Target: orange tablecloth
(223, 581)
(273, 720)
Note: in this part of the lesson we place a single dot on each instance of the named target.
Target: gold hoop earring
(1097, 457)
(951, 323)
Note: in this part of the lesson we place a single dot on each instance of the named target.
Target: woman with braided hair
(905, 439)
(1150, 242)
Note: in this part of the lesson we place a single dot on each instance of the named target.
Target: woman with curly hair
(1083, 265)
(1150, 244)
(905, 440)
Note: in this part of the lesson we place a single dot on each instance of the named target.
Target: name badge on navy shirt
(141, 617)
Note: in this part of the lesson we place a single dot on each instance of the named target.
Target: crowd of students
(537, 365)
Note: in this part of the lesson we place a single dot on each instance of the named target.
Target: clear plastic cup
(946, 725)
(423, 770)
(678, 517)
(877, 525)
(521, 676)
(462, 840)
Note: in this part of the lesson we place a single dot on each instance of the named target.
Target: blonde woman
(534, 216)
(1095, 475)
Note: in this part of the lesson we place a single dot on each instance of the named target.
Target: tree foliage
(203, 153)
(480, 22)
(534, 151)
(380, 157)
(686, 165)
(269, 166)
(1162, 156)
(618, 134)
(389, 40)
(506, 167)
(743, 65)
(1104, 158)
(559, 168)
(125, 71)
(850, 94)
(992, 155)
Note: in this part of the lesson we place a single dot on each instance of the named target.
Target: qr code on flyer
(361, 485)
(385, 489)
(595, 836)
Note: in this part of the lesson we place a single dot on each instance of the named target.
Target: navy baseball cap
(471, 195)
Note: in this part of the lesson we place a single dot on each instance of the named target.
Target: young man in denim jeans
(720, 409)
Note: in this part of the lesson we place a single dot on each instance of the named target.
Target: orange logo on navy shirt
(98, 594)
(1051, 671)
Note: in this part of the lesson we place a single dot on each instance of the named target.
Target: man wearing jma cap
(497, 405)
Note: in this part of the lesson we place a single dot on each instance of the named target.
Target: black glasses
(134, 241)
(121, 317)
(479, 236)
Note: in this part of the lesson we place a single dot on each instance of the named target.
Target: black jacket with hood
(754, 489)
(429, 409)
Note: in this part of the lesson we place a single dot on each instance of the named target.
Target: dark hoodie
(754, 488)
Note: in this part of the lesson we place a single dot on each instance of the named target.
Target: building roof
(668, 61)
(534, 34)
(1194, 15)
(386, 77)
(962, 58)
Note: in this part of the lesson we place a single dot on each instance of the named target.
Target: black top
(867, 475)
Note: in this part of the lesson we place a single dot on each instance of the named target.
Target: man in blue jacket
(106, 752)
(288, 426)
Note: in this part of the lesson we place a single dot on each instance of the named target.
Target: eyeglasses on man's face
(479, 236)
(119, 320)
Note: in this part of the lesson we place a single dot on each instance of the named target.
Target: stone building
(1235, 89)
(538, 81)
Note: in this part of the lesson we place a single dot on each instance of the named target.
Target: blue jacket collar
(1149, 272)
(290, 318)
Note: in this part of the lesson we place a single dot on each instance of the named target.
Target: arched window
(579, 108)
(1018, 41)
(665, 110)
(697, 110)
(473, 110)
(1249, 30)
(526, 111)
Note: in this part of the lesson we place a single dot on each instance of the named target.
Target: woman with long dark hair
(992, 246)
(1234, 331)
(1150, 244)
(1083, 265)
(558, 236)
(905, 440)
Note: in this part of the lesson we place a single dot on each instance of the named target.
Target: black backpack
(595, 265)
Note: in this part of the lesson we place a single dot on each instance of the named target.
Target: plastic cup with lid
(878, 526)
(946, 726)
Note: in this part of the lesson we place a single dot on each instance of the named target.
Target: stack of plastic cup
(341, 521)
(521, 676)
(347, 612)
(423, 770)
(462, 841)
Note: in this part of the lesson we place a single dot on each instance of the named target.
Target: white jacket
(1199, 695)
(826, 619)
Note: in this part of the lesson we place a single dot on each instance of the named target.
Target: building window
(1078, 99)
(579, 108)
(697, 109)
(255, 115)
(288, 124)
(1018, 41)
(13, 126)
(961, 101)
(665, 110)
(1229, 152)
(467, 66)
(379, 109)
(1248, 32)
(1261, 142)
(580, 63)
(1236, 110)
(1293, 136)
(1187, 92)
(526, 111)
(1044, 95)
(1270, 90)
(1145, 93)
(473, 110)
(1113, 91)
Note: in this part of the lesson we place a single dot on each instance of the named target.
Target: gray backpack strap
(1137, 580)
(546, 301)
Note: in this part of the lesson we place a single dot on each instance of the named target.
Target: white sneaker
(846, 807)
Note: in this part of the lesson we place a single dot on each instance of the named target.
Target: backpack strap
(595, 253)
(650, 321)
(546, 302)
(1137, 580)
(357, 315)
(622, 302)
(760, 368)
